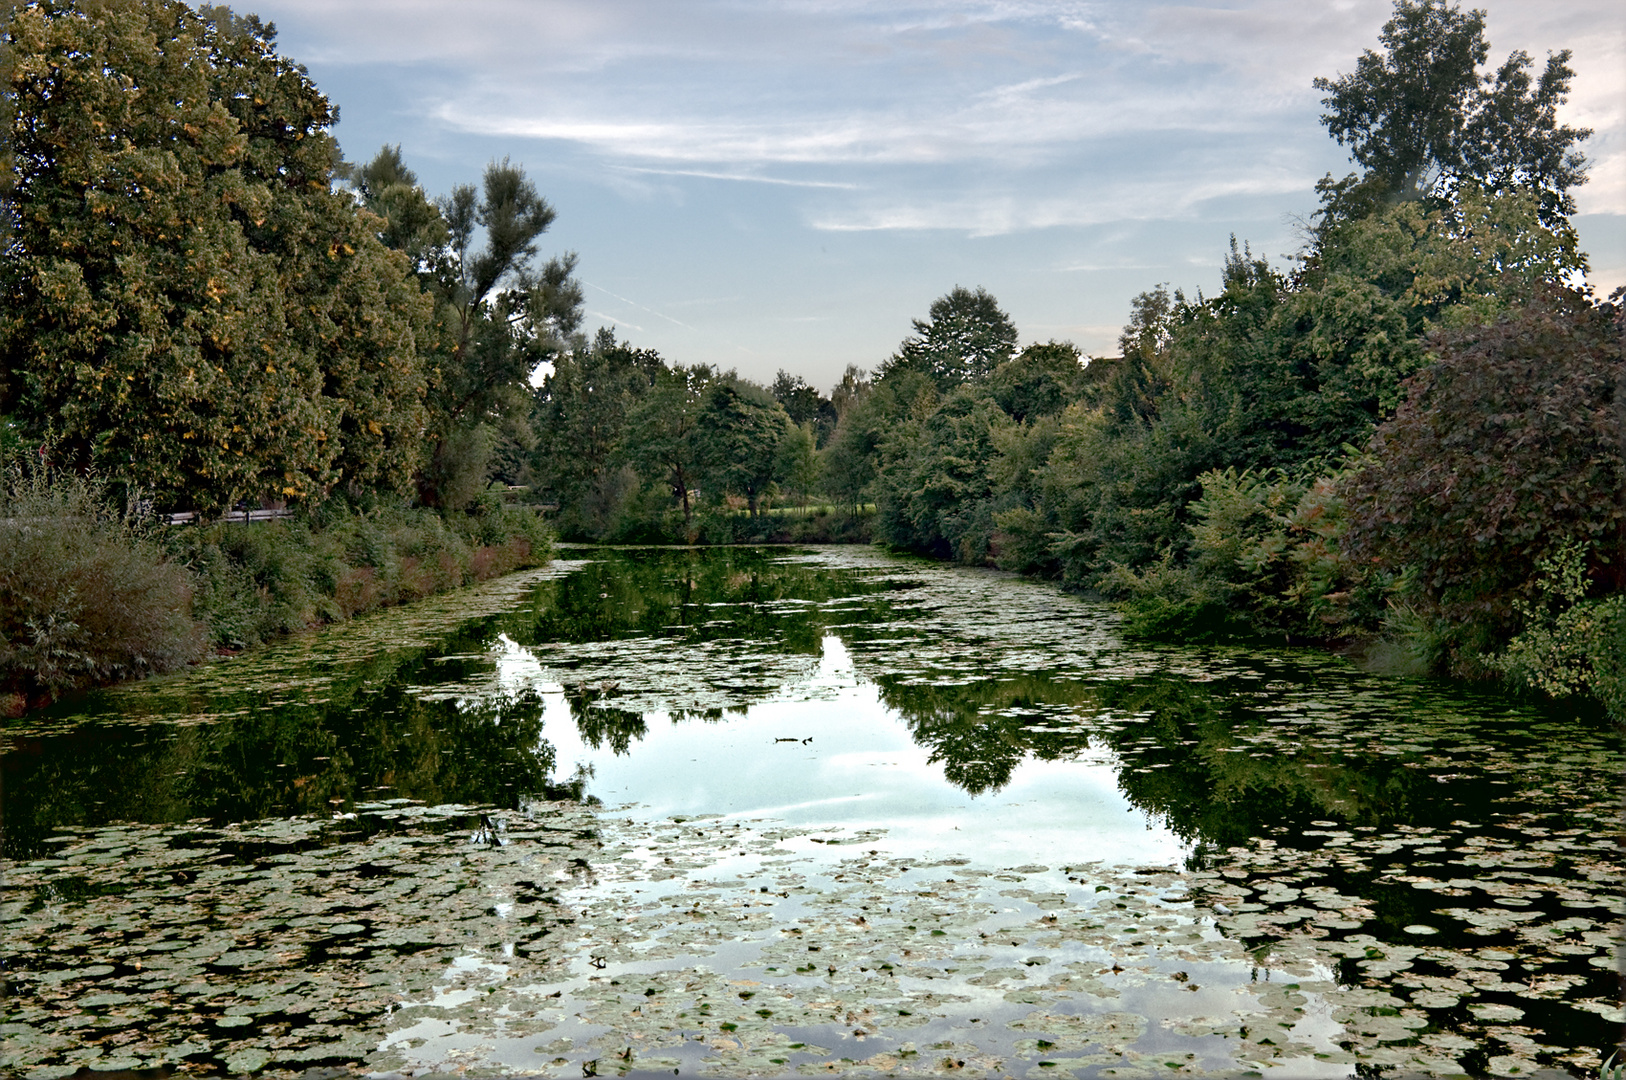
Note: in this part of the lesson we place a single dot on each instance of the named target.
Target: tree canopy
(1421, 114)
(501, 313)
(965, 337)
(189, 304)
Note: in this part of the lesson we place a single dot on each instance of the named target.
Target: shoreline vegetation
(1408, 437)
(90, 597)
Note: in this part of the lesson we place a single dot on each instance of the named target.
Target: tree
(804, 404)
(740, 439)
(1041, 381)
(966, 337)
(876, 414)
(189, 305)
(501, 314)
(584, 424)
(798, 464)
(852, 388)
(935, 490)
(412, 224)
(665, 433)
(1421, 115)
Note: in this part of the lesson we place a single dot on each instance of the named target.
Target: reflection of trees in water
(689, 596)
(1188, 758)
(1218, 772)
(980, 732)
(604, 726)
(277, 760)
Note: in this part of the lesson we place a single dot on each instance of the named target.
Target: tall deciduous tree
(741, 434)
(188, 304)
(584, 428)
(1422, 113)
(964, 338)
(666, 437)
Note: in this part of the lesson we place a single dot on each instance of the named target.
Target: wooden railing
(243, 516)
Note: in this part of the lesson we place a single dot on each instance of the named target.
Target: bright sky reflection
(860, 770)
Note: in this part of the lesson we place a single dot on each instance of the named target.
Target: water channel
(761, 812)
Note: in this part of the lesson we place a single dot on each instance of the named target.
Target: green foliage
(1117, 490)
(1041, 381)
(187, 301)
(935, 487)
(965, 338)
(798, 464)
(667, 442)
(257, 582)
(1570, 644)
(805, 405)
(739, 439)
(499, 314)
(506, 316)
(1422, 116)
(586, 434)
(1262, 560)
(87, 596)
(412, 223)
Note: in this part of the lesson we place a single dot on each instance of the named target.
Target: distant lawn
(813, 510)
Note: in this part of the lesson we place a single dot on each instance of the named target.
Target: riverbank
(89, 598)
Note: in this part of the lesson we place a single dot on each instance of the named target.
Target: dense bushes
(259, 581)
(89, 597)
(86, 596)
(1504, 451)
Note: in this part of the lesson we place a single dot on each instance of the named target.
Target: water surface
(746, 812)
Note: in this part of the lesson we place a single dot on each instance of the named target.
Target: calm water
(770, 812)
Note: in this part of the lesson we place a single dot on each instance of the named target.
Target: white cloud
(1122, 199)
(741, 177)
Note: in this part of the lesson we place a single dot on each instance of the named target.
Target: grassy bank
(90, 596)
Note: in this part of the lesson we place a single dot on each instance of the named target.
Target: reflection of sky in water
(1338, 818)
(861, 769)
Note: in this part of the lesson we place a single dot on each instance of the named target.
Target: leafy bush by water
(1570, 644)
(260, 581)
(87, 595)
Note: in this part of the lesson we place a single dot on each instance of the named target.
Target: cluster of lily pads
(1380, 875)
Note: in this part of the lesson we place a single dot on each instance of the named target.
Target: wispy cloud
(745, 178)
(636, 304)
(614, 320)
(1102, 202)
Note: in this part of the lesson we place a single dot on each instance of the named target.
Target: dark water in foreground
(766, 812)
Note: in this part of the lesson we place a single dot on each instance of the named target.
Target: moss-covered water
(742, 812)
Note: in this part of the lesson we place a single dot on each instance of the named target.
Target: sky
(786, 184)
